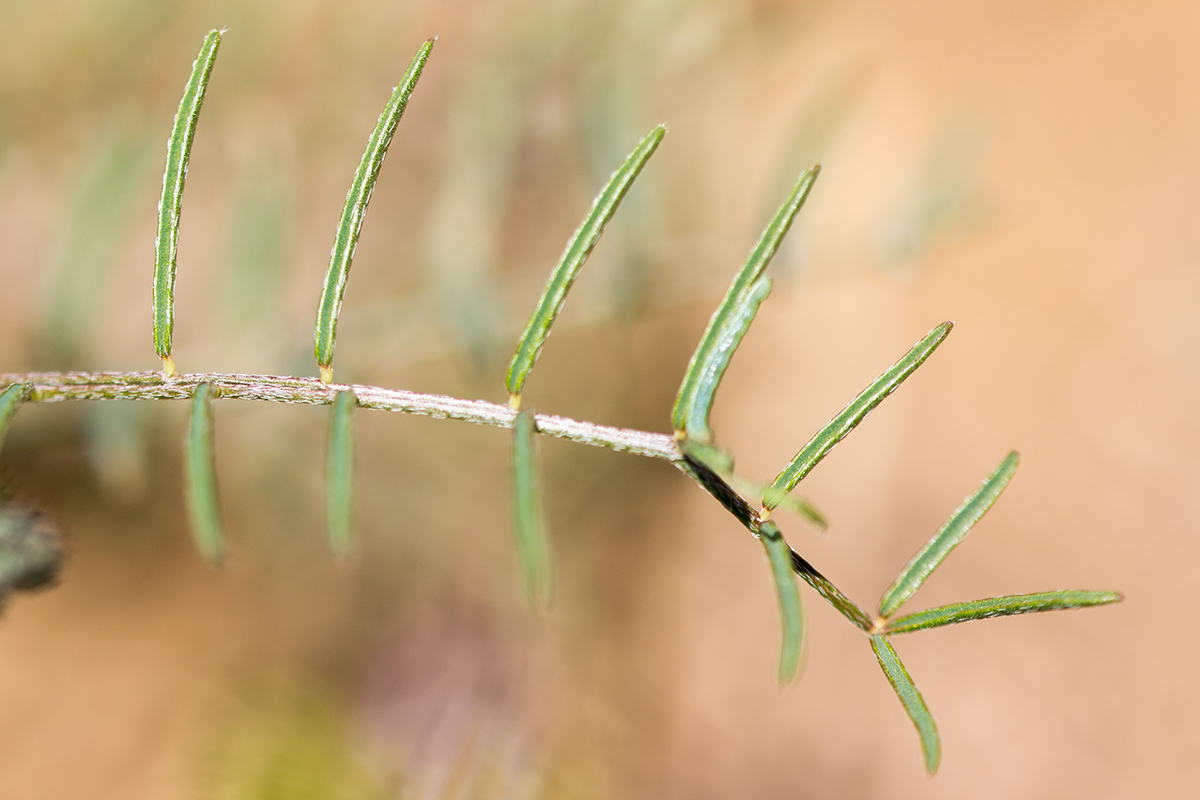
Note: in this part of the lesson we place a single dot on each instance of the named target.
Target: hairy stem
(52, 387)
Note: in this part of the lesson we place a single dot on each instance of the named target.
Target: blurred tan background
(1031, 171)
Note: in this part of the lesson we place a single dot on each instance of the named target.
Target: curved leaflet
(578, 249)
(716, 359)
(342, 253)
(948, 536)
(748, 275)
(837, 428)
(179, 150)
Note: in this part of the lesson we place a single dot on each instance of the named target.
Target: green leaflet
(356, 208)
(200, 477)
(911, 698)
(10, 400)
(948, 536)
(710, 371)
(1001, 607)
(528, 522)
(790, 612)
(179, 150)
(339, 475)
(759, 258)
(578, 249)
(836, 429)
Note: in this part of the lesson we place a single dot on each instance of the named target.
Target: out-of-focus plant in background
(1032, 175)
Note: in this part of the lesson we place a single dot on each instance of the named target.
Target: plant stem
(53, 387)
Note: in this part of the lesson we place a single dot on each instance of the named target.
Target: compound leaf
(578, 249)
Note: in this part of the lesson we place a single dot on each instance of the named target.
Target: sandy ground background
(1030, 171)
